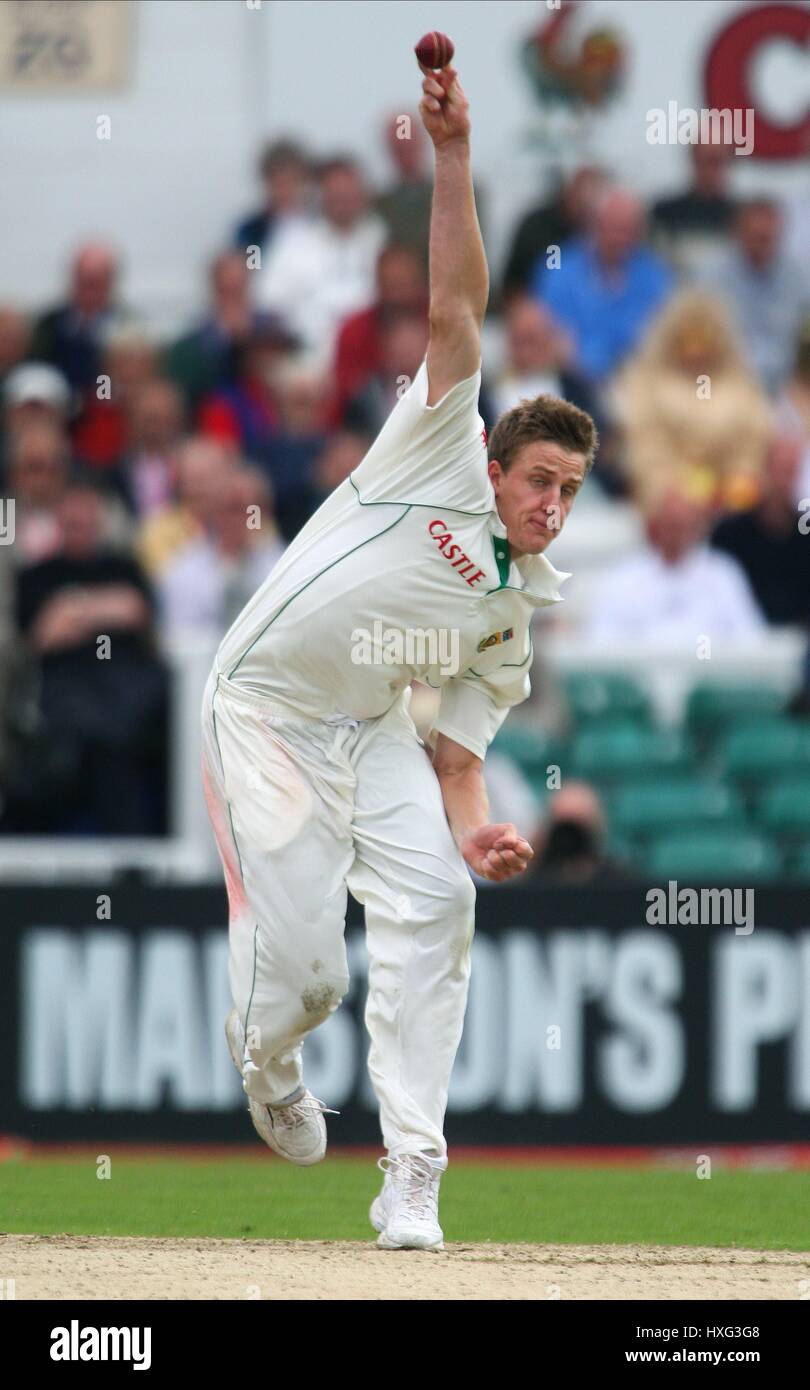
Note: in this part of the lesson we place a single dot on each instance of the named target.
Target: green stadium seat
(533, 750)
(783, 809)
(605, 752)
(624, 851)
(605, 696)
(799, 867)
(689, 804)
(711, 708)
(538, 781)
(762, 749)
(715, 856)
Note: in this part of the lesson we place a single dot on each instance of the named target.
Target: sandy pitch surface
(110, 1267)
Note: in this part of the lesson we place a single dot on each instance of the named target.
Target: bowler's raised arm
(459, 277)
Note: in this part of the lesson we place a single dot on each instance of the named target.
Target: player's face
(536, 494)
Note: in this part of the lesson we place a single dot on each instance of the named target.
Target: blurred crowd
(155, 483)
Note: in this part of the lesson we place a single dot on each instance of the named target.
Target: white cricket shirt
(410, 543)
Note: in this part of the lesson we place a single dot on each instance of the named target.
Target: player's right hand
(444, 108)
(497, 852)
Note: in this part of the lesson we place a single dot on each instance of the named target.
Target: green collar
(503, 558)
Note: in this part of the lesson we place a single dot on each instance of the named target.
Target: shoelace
(290, 1116)
(297, 1114)
(416, 1180)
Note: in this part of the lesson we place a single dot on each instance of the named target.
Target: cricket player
(315, 778)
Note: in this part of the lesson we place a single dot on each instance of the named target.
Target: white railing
(668, 673)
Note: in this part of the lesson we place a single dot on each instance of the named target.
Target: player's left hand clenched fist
(496, 852)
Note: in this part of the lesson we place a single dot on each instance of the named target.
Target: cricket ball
(434, 50)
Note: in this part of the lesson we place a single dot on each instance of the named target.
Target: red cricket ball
(434, 50)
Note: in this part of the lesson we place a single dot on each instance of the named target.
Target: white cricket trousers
(302, 810)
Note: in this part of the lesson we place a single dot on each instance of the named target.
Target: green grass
(251, 1198)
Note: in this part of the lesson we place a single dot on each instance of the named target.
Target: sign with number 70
(77, 47)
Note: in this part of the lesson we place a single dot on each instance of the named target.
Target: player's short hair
(543, 418)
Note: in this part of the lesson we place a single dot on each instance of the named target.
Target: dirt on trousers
(115, 1267)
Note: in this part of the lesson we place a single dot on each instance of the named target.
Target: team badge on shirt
(494, 638)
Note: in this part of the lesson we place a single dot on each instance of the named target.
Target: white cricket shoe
(378, 1211)
(406, 1212)
(297, 1130)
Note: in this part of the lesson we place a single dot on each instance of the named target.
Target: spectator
(245, 413)
(688, 405)
(341, 454)
(34, 393)
(287, 178)
(402, 347)
(766, 542)
(9, 655)
(326, 271)
(39, 466)
(550, 224)
(101, 433)
(291, 455)
(793, 407)
(764, 290)
(206, 358)
(573, 847)
(607, 286)
(155, 432)
(692, 228)
(201, 464)
(211, 579)
(675, 589)
(797, 220)
(401, 286)
(537, 357)
(15, 336)
(39, 473)
(405, 205)
(104, 704)
(71, 336)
